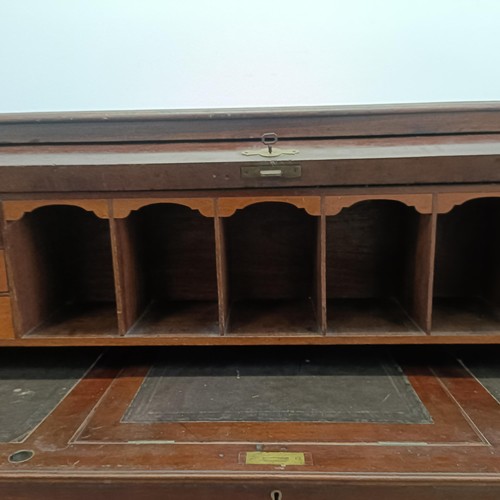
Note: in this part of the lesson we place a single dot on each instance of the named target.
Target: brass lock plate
(272, 171)
(269, 139)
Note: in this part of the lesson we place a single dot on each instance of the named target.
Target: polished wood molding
(228, 206)
(14, 210)
(123, 208)
(447, 201)
(421, 202)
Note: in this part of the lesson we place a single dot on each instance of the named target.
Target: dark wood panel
(366, 249)
(352, 172)
(212, 124)
(271, 249)
(272, 272)
(249, 489)
(213, 151)
(178, 251)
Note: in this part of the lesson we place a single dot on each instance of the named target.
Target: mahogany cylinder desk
(251, 303)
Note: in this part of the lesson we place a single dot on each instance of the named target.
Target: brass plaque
(275, 458)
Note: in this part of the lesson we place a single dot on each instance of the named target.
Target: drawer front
(104, 489)
(6, 328)
(3, 273)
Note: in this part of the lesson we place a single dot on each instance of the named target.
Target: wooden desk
(377, 225)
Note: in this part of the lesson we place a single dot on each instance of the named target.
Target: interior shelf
(169, 276)
(378, 269)
(293, 316)
(177, 317)
(63, 273)
(372, 269)
(272, 270)
(467, 269)
(380, 316)
(92, 319)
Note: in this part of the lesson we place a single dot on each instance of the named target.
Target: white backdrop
(150, 54)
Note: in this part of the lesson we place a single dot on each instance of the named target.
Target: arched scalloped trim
(123, 208)
(421, 202)
(15, 210)
(226, 207)
(446, 202)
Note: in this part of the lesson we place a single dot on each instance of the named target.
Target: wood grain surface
(6, 323)
(84, 442)
(3, 273)
(210, 124)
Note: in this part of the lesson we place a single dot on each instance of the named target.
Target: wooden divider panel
(6, 326)
(3, 273)
(320, 275)
(222, 275)
(128, 282)
(417, 295)
(2, 221)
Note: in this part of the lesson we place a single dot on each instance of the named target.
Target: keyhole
(276, 495)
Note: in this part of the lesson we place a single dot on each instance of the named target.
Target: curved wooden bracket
(123, 208)
(228, 206)
(14, 210)
(421, 202)
(447, 201)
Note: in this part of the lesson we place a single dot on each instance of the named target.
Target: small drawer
(6, 328)
(3, 274)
